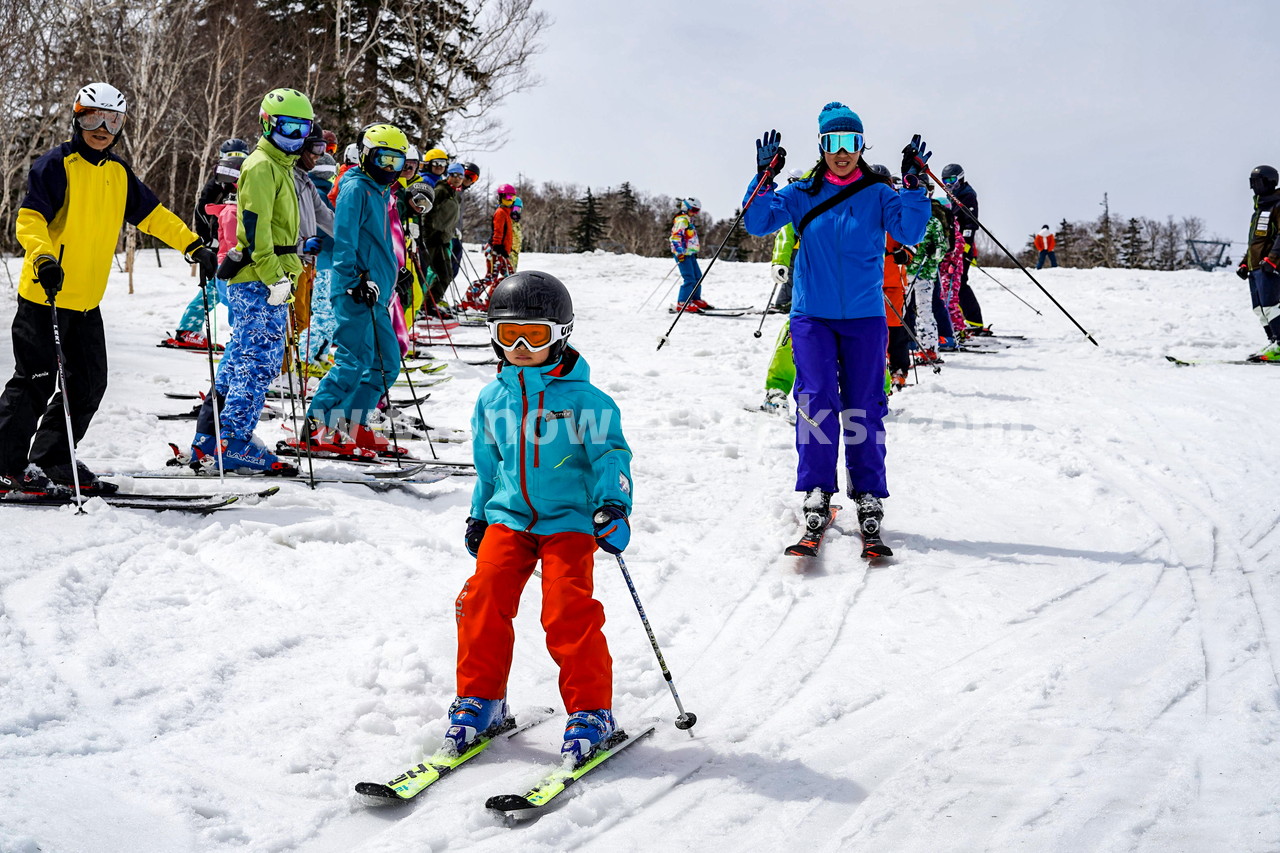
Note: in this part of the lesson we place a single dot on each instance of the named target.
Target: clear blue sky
(1166, 105)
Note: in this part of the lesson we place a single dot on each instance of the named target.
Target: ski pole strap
(830, 202)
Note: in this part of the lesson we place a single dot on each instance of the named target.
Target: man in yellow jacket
(78, 197)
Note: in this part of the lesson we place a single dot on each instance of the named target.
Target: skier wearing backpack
(837, 309)
(557, 510)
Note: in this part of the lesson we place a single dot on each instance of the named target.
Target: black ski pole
(765, 313)
(685, 720)
(418, 404)
(302, 394)
(765, 176)
(62, 381)
(213, 379)
(1002, 284)
(996, 239)
(386, 388)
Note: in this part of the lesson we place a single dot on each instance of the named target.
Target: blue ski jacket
(548, 449)
(362, 237)
(838, 271)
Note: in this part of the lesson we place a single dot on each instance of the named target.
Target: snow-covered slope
(1074, 648)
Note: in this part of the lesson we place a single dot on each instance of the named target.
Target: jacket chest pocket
(557, 458)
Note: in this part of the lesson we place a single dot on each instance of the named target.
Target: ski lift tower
(1209, 254)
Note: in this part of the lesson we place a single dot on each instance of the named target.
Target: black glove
(475, 535)
(200, 254)
(902, 257)
(404, 286)
(769, 147)
(1269, 266)
(496, 248)
(915, 162)
(1243, 270)
(365, 292)
(49, 274)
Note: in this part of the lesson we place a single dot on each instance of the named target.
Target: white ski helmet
(691, 203)
(413, 153)
(351, 155)
(99, 96)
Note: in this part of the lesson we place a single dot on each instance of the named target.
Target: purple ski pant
(840, 383)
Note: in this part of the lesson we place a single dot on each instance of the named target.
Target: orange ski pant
(572, 618)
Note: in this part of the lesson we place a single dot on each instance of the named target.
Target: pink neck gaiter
(844, 182)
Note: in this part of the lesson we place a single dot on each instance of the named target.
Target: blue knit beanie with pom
(837, 118)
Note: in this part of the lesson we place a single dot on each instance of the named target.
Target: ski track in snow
(1075, 647)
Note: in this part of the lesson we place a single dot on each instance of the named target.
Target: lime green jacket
(268, 215)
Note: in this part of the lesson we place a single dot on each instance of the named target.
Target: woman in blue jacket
(360, 289)
(838, 329)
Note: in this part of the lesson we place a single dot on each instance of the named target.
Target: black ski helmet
(881, 169)
(533, 295)
(234, 144)
(953, 170)
(1263, 180)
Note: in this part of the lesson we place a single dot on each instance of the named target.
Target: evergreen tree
(734, 250)
(592, 224)
(1133, 247)
(1106, 255)
(1066, 243)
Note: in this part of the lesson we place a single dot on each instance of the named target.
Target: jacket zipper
(524, 485)
(537, 432)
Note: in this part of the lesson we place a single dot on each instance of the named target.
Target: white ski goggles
(94, 119)
(536, 335)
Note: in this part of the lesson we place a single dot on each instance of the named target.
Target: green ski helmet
(287, 118)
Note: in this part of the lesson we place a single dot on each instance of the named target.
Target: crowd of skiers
(334, 263)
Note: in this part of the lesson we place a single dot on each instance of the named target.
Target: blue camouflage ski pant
(319, 335)
(193, 318)
(253, 357)
(367, 345)
(840, 387)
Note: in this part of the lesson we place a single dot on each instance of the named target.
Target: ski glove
(613, 532)
(365, 292)
(280, 292)
(475, 535)
(49, 274)
(902, 257)
(781, 274)
(915, 162)
(1268, 266)
(200, 254)
(768, 149)
(311, 246)
(1243, 270)
(496, 249)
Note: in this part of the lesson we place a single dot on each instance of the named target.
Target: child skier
(554, 482)
(684, 247)
(362, 284)
(497, 253)
(1261, 258)
(260, 273)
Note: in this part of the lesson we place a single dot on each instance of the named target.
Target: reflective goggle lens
(536, 335)
(441, 163)
(950, 180)
(318, 147)
(833, 142)
(291, 128)
(94, 119)
(388, 159)
(331, 148)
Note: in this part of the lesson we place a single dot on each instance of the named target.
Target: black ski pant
(442, 265)
(33, 427)
(968, 301)
(899, 350)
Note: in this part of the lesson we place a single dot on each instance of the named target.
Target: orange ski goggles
(536, 335)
